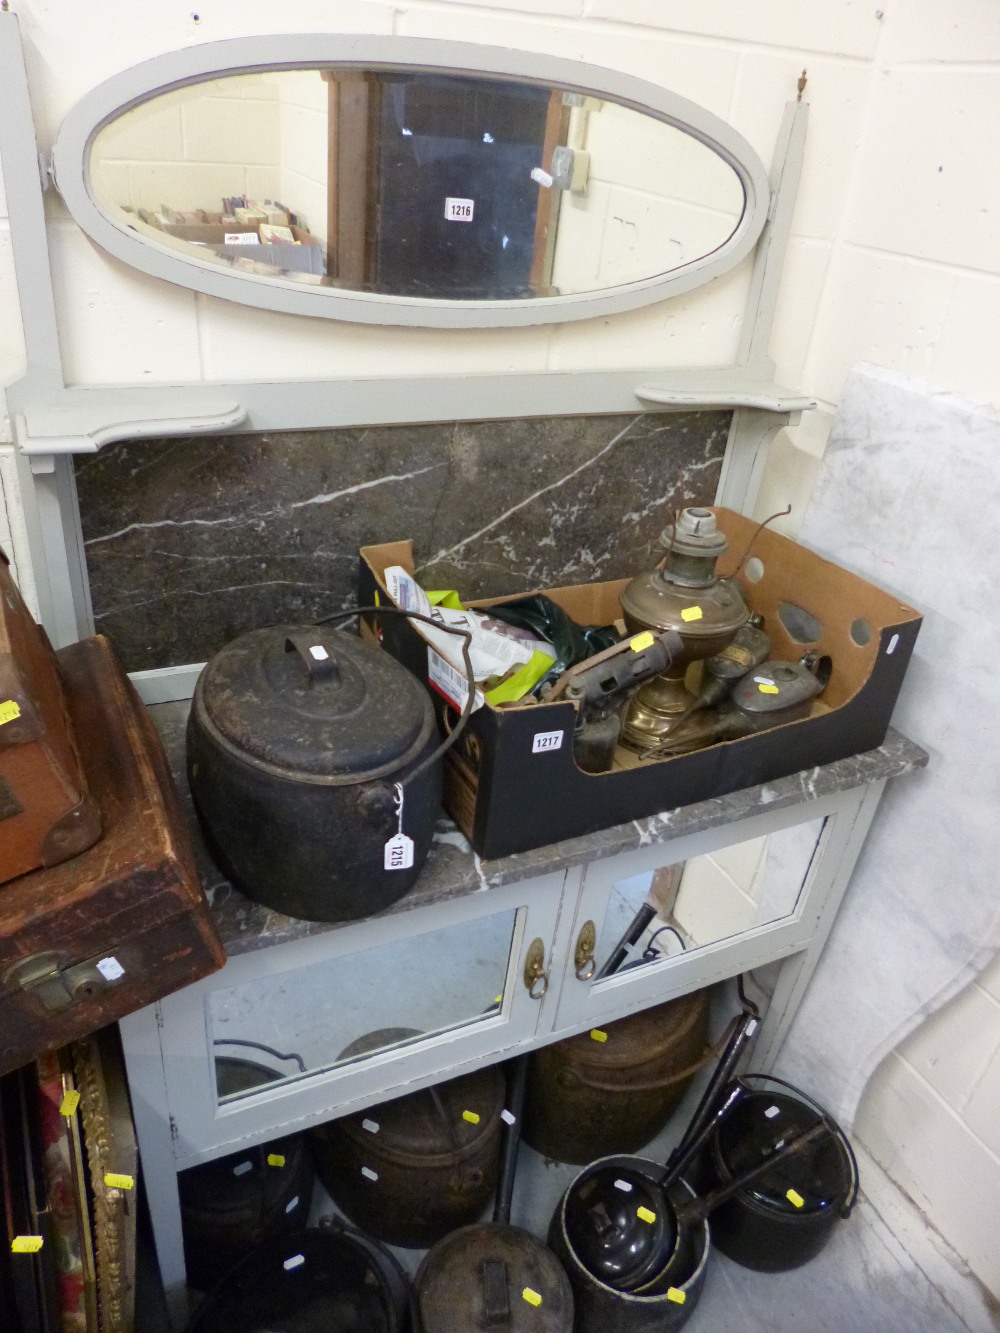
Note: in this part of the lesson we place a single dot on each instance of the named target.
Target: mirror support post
(752, 431)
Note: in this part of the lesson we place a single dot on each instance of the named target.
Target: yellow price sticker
(597, 1035)
(532, 1297)
(70, 1101)
(768, 689)
(691, 613)
(26, 1245)
(471, 1116)
(118, 1182)
(795, 1198)
(9, 710)
(676, 1295)
(275, 1159)
(641, 642)
(645, 1215)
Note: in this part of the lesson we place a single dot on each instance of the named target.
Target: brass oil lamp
(684, 595)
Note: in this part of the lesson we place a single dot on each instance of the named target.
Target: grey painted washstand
(549, 894)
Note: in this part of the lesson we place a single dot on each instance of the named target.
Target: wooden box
(46, 813)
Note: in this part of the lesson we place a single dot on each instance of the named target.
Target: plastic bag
(570, 642)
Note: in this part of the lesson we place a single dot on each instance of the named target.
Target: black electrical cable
(647, 952)
(466, 638)
(259, 1046)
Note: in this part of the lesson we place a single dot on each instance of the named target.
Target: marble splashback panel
(906, 496)
(191, 541)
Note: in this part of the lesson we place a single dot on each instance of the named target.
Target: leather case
(125, 922)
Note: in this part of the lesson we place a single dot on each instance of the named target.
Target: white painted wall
(894, 259)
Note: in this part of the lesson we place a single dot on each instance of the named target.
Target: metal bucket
(784, 1218)
(603, 1309)
(587, 1098)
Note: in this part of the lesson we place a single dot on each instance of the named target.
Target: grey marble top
(454, 870)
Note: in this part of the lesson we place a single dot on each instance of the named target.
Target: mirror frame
(255, 55)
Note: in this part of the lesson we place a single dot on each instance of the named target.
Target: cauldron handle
(840, 1136)
(319, 661)
(493, 1283)
(699, 1209)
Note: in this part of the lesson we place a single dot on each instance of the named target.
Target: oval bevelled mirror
(416, 194)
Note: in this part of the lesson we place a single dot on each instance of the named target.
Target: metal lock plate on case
(55, 984)
(9, 804)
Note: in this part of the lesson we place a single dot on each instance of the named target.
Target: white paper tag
(242, 1169)
(624, 1186)
(370, 1125)
(449, 682)
(547, 740)
(891, 646)
(459, 210)
(772, 1111)
(399, 852)
(763, 680)
(296, 1261)
(508, 1117)
(368, 1173)
(292, 1204)
(241, 238)
(318, 652)
(110, 969)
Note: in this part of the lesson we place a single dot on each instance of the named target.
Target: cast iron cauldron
(314, 1281)
(425, 1168)
(232, 1204)
(785, 1217)
(297, 738)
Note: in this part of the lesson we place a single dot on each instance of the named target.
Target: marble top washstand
(454, 870)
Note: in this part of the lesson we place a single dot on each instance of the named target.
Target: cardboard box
(306, 257)
(508, 795)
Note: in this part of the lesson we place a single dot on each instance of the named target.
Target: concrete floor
(884, 1271)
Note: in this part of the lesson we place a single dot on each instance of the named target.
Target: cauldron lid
(819, 1176)
(461, 1114)
(311, 700)
(474, 1266)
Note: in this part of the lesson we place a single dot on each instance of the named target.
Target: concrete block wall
(894, 259)
(190, 148)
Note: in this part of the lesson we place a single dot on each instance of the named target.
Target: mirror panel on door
(687, 906)
(335, 1012)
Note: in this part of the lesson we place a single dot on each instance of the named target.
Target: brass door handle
(536, 978)
(586, 942)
